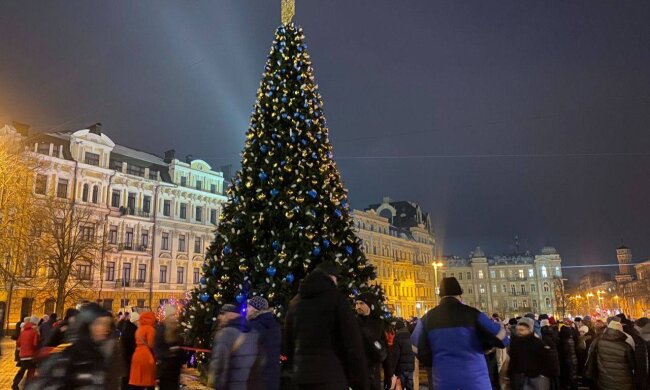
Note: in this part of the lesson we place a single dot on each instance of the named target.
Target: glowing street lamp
(435, 280)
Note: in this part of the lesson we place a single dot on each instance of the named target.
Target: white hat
(134, 317)
(616, 325)
(583, 329)
(544, 323)
(170, 310)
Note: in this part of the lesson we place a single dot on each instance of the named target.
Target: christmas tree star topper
(288, 10)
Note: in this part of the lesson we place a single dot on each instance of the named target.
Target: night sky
(528, 118)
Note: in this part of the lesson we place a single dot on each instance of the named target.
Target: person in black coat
(528, 358)
(261, 318)
(127, 327)
(551, 340)
(640, 356)
(404, 356)
(59, 332)
(322, 339)
(568, 359)
(374, 338)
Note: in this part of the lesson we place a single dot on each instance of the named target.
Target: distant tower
(624, 257)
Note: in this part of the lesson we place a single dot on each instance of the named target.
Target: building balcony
(127, 283)
(516, 278)
(129, 246)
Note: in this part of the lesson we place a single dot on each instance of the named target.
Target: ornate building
(398, 239)
(156, 216)
(509, 285)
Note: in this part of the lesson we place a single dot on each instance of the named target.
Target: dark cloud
(561, 88)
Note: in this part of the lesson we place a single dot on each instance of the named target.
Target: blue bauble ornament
(284, 99)
(284, 115)
(275, 245)
(344, 204)
(326, 243)
(263, 176)
(293, 139)
(283, 163)
(227, 250)
(349, 250)
(316, 251)
(274, 192)
(239, 298)
(312, 193)
(264, 148)
(289, 278)
(355, 292)
(314, 156)
(338, 213)
(204, 297)
(203, 281)
(271, 271)
(303, 141)
(215, 271)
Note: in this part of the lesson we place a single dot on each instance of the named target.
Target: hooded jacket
(235, 363)
(271, 338)
(322, 339)
(452, 340)
(403, 349)
(143, 363)
(27, 342)
(611, 361)
(568, 357)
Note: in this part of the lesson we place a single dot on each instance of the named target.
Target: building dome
(549, 250)
(478, 252)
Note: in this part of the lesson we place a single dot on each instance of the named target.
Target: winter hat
(259, 303)
(583, 330)
(587, 318)
(543, 317)
(578, 319)
(530, 315)
(368, 299)
(34, 320)
(543, 323)
(616, 326)
(134, 317)
(613, 319)
(526, 321)
(399, 324)
(229, 308)
(170, 310)
(512, 321)
(450, 287)
(328, 268)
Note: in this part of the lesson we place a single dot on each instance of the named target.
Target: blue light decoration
(312, 193)
(264, 149)
(289, 278)
(271, 271)
(314, 156)
(344, 203)
(275, 245)
(239, 298)
(263, 176)
(338, 213)
(326, 243)
(227, 250)
(316, 251)
(274, 192)
(204, 297)
(215, 271)
(349, 250)
(203, 281)
(355, 292)
(284, 115)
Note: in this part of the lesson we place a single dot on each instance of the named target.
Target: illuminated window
(480, 274)
(544, 273)
(521, 273)
(531, 273)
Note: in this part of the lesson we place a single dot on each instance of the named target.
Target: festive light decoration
(287, 209)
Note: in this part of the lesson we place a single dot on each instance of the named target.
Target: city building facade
(398, 239)
(510, 285)
(154, 215)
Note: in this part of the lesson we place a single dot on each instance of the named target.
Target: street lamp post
(435, 280)
(589, 295)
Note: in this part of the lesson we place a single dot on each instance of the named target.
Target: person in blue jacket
(452, 340)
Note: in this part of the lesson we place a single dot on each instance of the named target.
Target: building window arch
(548, 302)
(95, 196)
(84, 194)
(546, 287)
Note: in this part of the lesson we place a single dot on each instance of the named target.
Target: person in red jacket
(28, 345)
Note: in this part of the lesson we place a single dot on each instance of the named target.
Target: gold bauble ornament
(217, 296)
(309, 235)
(243, 268)
(282, 255)
(261, 196)
(289, 214)
(300, 199)
(225, 278)
(249, 183)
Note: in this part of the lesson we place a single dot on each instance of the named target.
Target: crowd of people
(327, 344)
(91, 349)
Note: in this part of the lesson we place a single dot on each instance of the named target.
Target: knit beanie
(34, 320)
(543, 317)
(368, 299)
(615, 325)
(134, 317)
(259, 303)
(529, 322)
(583, 329)
(544, 323)
(450, 287)
(587, 318)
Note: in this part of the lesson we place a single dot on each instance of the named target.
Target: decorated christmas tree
(287, 209)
